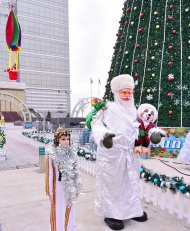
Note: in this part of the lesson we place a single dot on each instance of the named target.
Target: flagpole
(98, 88)
(90, 93)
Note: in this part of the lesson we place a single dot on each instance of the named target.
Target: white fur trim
(121, 82)
(144, 106)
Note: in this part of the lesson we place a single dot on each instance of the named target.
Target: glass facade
(44, 58)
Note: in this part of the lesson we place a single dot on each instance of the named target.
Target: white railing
(172, 203)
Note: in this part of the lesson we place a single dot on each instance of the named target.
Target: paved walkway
(18, 152)
(24, 206)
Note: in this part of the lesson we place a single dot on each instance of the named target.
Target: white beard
(127, 106)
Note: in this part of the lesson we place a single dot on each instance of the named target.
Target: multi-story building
(44, 58)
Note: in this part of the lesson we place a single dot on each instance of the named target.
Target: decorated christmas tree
(153, 46)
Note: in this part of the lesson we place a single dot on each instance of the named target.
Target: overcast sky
(93, 27)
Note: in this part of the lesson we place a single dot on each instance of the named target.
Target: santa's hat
(144, 106)
(121, 82)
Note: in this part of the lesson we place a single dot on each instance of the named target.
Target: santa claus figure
(117, 181)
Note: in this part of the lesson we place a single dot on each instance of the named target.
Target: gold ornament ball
(189, 57)
(132, 23)
(126, 66)
(130, 37)
(157, 26)
(135, 8)
(189, 41)
(126, 52)
(156, 44)
(153, 57)
(155, 12)
(148, 90)
(187, 10)
(153, 75)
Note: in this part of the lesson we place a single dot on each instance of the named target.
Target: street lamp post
(42, 149)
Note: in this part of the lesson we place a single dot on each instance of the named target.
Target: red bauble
(134, 91)
(136, 61)
(141, 14)
(116, 34)
(170, 78)
(138, 45)
(171, 7)
(170, 47)
(126, 23)
(174, 31)
(128, 9)
(170, 63)
(114, 47)
(117, 63)
(120, 50)
(170, 113)
(136, 75)
(140, 30)
(170, 94)
(122, 37)
(171, 18)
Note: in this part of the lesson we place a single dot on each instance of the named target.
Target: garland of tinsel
(2, 139)
(165, 182)
(67, 164)
(86, 154)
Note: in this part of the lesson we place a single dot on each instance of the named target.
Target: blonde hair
(59, 133)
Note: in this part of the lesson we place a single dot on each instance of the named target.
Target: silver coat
(117, 181)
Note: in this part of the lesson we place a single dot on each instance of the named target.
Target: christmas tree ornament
(171, 7)
(174, 31)
(171, 18)
(126, 66)
(136, 61)
(153, 57)
(170, 63)
(136, 75)
(141, 14)
(170, 113)
(157, 26)
(170, 47)
(132, 23)
(187, 10)
(170, 94)
(153, 74)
